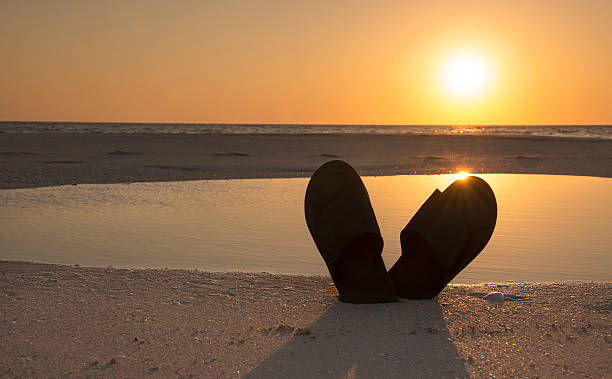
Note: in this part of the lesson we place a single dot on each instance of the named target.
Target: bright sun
(465, 75)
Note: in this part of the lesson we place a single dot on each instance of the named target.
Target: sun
(465, 75)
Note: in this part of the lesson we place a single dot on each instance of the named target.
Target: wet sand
(66, 321)
(36, 160)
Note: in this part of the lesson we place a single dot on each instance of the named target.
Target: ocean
(571, 131)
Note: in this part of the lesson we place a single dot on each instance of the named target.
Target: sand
(35, 160)
(65, 321)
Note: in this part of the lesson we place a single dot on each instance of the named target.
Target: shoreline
(80, 321)
(324, 277)
(29, 160)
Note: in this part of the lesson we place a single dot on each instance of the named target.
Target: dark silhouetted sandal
(343, 226)
(449, 230)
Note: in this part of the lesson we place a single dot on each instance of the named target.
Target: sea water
(570, 131)
(549, 228)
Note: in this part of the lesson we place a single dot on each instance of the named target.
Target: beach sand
(64, 321)
(36, 160)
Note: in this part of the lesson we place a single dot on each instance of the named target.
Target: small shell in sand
(495, 297)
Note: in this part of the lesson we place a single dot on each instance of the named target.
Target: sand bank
(63, 321)
(35, 160)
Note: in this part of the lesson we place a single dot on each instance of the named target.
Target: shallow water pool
(549, 228)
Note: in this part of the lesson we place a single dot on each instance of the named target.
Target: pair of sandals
(441, 239)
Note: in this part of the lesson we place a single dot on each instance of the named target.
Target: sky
(312, 62)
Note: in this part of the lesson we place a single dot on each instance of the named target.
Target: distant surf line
(568, 131)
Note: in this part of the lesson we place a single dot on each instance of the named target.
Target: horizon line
(288, 124)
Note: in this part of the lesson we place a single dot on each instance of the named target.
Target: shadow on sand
(406, 339)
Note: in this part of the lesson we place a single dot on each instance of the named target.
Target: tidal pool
(549, 228)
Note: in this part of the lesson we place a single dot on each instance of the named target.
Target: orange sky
(370, 62)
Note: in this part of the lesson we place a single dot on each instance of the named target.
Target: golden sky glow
(371, 62)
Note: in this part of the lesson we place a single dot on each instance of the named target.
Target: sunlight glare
(460, 175)
(465, 75)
